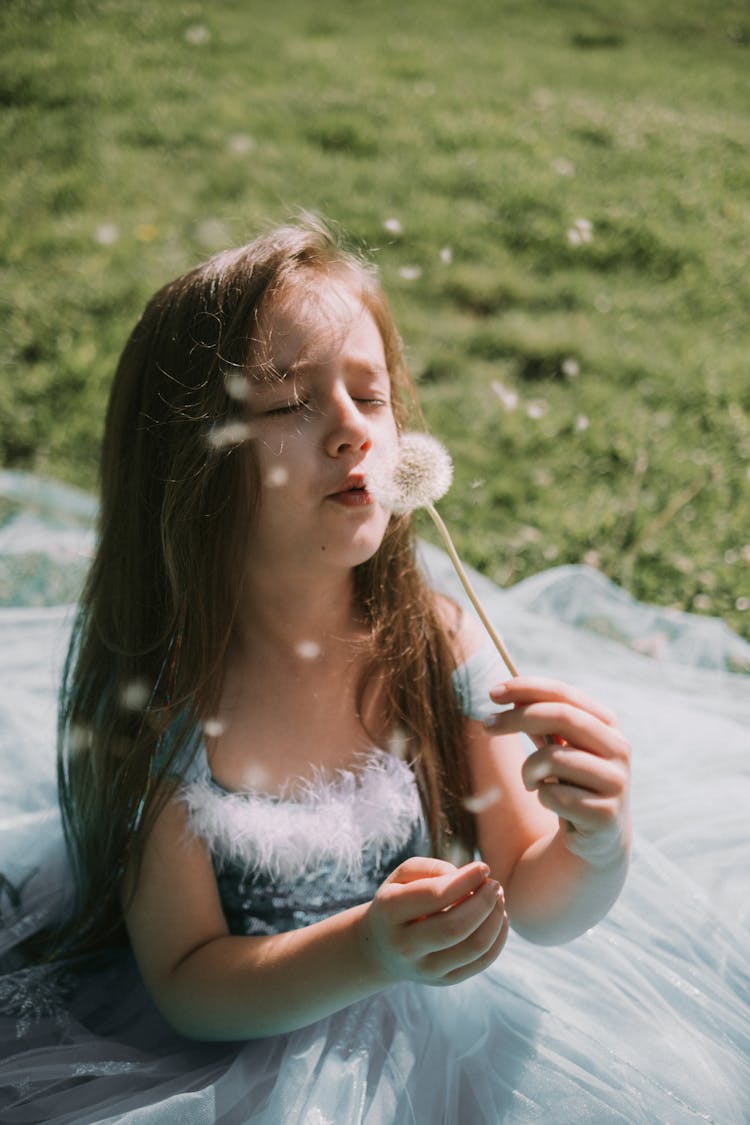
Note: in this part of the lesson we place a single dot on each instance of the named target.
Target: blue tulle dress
(646, 1018)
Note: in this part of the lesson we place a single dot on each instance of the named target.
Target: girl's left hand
(581, 768)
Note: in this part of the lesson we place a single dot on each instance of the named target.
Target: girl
(291, 773)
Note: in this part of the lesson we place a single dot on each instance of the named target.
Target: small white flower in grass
(214, 728)
(107, 234)
(308, 650)
(410, 273)
(570, 368)
(582, 423)
(134, 695)
(508, 398)
(393, 226)
(241, 143)
(702, 602)
(226, 434)
(574, 236)
(536, 409)
(742, 604)
(277, 476)
(480, 802)
(563, 166)
(197, 34)
(581, 231)
(446, 255)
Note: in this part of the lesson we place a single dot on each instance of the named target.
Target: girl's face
(321, 420)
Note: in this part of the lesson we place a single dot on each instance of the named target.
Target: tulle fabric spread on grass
(644, 1019)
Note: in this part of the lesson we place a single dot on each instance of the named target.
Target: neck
(297, 618)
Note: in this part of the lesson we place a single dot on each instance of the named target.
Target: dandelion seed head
(214, 728)
(226, 434)
(480, 802)
(308, 650)
(277, 476)
(422, 473)
(134, 695)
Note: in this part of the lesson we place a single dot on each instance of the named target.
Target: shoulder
(465, 634)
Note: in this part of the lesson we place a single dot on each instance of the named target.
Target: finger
(536, 689)
(574, 767)
(449, 928)
(421, 867)
(582, 729)
(476, 953)
(412, 901)
(587, 812)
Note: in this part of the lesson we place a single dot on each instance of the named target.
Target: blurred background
(557, 196)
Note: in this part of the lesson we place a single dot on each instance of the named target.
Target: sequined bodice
(284, 862)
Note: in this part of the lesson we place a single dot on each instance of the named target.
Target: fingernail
(494, 886)
(499, 689)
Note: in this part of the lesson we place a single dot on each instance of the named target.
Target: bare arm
(429, 922)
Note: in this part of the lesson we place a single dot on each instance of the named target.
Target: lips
(353, 492)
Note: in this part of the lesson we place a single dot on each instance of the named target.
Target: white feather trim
(331, 819)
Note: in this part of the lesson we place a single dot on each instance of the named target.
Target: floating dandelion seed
(536, 409)
(134, 695)
(80, 738)
(508, 398)
(308, 650)
(422, 474)
(227, 434)
(197, 34)
(214, 728)
(480, 802)
(393, 226)
(235, 384)
(277, 476)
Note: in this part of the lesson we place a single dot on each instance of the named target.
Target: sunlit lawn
(557, 194)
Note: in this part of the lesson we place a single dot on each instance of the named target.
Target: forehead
(312, 325)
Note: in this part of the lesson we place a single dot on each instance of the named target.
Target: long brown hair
(157, 612)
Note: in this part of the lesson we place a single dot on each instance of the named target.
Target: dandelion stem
(458, 566)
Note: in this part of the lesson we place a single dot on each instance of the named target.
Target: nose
(348, 431)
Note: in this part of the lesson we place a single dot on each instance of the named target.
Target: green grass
(139, 138)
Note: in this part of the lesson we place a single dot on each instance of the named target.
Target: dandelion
(235, 384)
(508, 398)
(423, 474)
(308, 650)
(410, 273)
(226, 434)
(277, 476)
(393, 226)
(214, 728)
(480, 802)
(134, 695)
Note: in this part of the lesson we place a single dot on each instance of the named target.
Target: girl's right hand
(435, 923)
